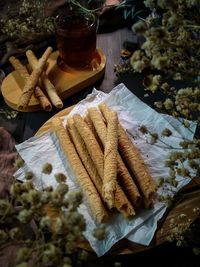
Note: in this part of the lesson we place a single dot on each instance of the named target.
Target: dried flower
(154, 138)
(143, 129)
(152, 82)
(53, 222)
(100, 232)
(14, 233)
(60, 177)
(28, 175)
(25, 216)
(62, 189)
(45, 222)
(160, 181)
(166, 132)
(19, 163)
(47, 168)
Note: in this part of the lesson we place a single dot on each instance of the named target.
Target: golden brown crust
(22, 70)
(94, 201)
(31, 83)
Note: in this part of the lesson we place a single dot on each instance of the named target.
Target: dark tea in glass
(76, 37)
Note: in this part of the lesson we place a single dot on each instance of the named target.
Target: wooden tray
(67, 82)
(190, 198)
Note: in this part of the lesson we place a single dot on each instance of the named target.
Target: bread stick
(88, 120)
(134, 160)
(30, 85)
(124, 176)
(121, 202)
(96, 206)
(84, 156)
(110, 159)
(49, 87)
(22, 70)
(92, 145)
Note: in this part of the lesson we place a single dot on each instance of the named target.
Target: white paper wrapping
(132, 113)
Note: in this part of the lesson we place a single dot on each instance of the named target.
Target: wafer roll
(30, 85)
(88, 120)
(110, 159)
(124, 176)
(49, 87)
(92, 145)
(84, 156)
(97, 208)
(134, 160)
(22, 70)
(121, 203)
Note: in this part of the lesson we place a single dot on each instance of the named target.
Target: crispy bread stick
(122, 204)
(134, 160)
(92, 145)
(30, 85)
(84, 156)
(49, 87)
(22, 70)
(110, 160)
(97, 208)
(123, 174)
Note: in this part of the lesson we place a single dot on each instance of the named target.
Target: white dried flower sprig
(9, 114)
(52, 217)
(170, 51)
(181, 230)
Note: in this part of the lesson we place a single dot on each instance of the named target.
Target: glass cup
(76, 37)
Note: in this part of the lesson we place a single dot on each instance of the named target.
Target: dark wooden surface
(112, 43)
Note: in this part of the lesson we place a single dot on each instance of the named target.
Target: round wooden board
(184, 205)
(47, 125)
(67, 82)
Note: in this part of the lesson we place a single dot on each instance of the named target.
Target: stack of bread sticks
(107, 165)
(36, 81)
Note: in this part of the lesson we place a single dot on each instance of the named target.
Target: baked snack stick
(89, 122)
(121, 203)
(91, 143)
(22, 70)
(135, 161)
(30, 85)
(123, 174)
(96, 206)
(110, 159)
(84, 156)
(49, 87)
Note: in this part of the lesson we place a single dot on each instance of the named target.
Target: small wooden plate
(67, 82)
